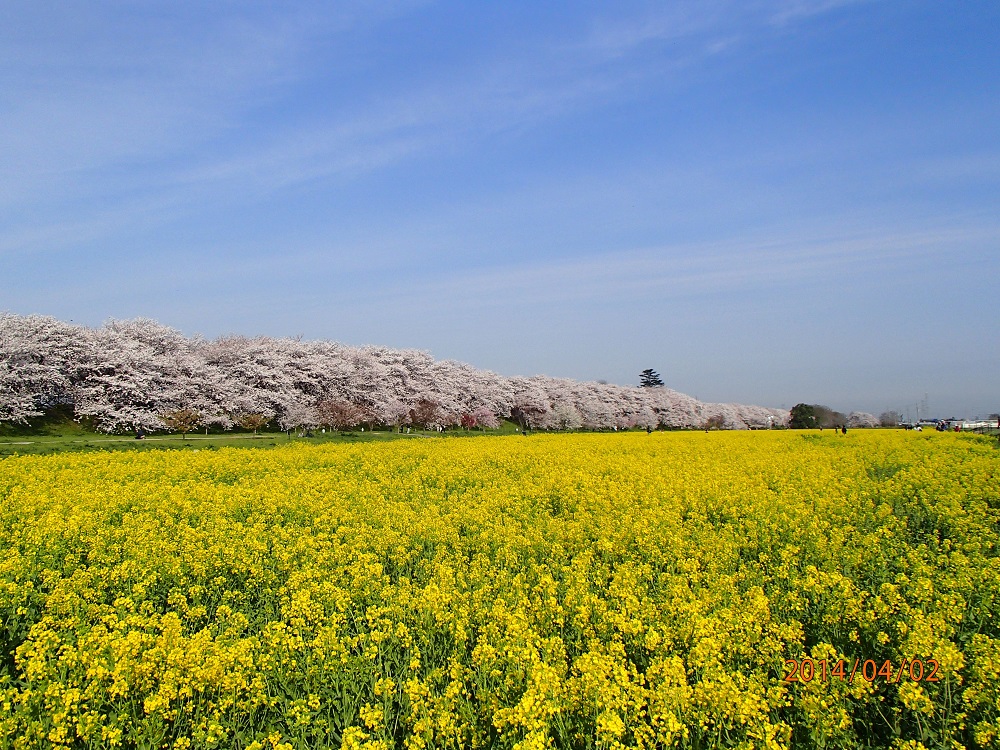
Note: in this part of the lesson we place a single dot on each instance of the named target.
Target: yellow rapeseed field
(753, 590)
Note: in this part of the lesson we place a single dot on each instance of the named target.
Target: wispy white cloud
(538, 83)
(131, 108)
(92, 91)
(693, 270)
(791, 11)
(614, 37)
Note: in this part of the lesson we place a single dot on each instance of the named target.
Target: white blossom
(862, 419)
(39, 356)
(127, 374)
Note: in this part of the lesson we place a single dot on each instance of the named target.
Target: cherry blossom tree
(485, 418)
(564, 416)
(39, 359)
(137, 370)
(257, 375)
(645, 418)
(394, 414)
(530, 401)
(862, 419)
(300, 416)
(126, 374)
(339, 414)
(427, 413)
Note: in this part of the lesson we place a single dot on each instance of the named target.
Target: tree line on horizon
(812, 416)
(140, 375)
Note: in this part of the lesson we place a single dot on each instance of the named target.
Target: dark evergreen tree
(802, 417)
(650, 378)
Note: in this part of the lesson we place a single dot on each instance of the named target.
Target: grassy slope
(59, 433)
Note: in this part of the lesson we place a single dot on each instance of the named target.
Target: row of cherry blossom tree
(138, 374)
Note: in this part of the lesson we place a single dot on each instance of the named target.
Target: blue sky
(767, 201)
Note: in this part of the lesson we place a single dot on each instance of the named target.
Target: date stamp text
(869, 670)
